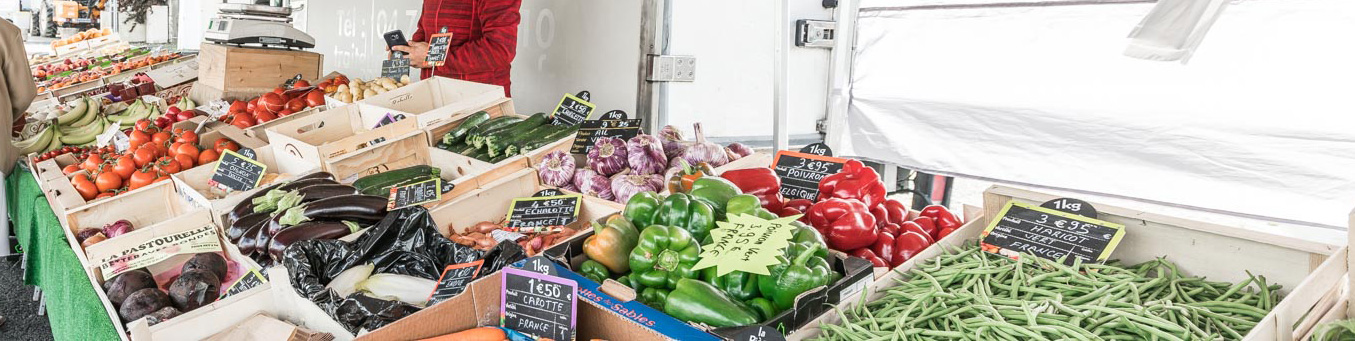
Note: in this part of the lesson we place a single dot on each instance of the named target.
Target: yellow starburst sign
(746, 243)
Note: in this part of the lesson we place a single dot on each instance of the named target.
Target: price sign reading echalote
(437, 47)
(611, 124)
(455, 278)
(539, 305)
(530, 214)
(237, 172)
(801, 173)
(251, 279)
(572, 110)
(1052, 234)
(414, 194)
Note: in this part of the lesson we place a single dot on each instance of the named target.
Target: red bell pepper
(796, 206)
(855, 181)
(898, 213)
(880, 214)
(910, 226)
(760, 182)
(928, 225)
(870, 256)
(884, 246)
(845, 224)
(907, 245)
(942, 233)
(891, 228)
(946, 222)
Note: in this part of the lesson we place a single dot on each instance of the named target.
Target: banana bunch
(45, 139)
(185, 104)
(78, 126)
(138, 110)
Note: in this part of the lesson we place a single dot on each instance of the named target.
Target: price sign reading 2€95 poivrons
(746, 243)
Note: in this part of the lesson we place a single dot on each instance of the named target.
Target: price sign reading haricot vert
(746, 243)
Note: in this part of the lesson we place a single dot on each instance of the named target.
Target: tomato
(243, 122)
(223, 144)
(92, 162)
(85, 186)
(161, 138)
(145, 155)
(265, 116)
(143, 124)
(296, 105)
(301, 84)
(278, 91)
(322, 85)
(272, 102)
(108, 181)
(137, 138)
(105, 195)
(141, 178)
(124, 166)
(238, 106)
(185, 161)
(253, 104)
(187, 149)
(315, 98)
(167, 165)
(70, 169)
(208, 156)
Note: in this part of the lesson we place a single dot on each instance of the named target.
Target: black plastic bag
(406, 242)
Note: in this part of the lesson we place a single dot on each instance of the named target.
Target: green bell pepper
(696, 301)
(765, 308)
(738, 284)
(743, 204)
(642, 208)
(681, 210)
(664, 255)
(790, 279)
(653, 297)
(595, 271)
(629, 280)
(805, 234)
(714, 191)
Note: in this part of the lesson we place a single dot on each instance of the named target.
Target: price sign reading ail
(746, 243)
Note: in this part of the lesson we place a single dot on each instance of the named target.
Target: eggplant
(308, 231)
(261, 236)
(274, 225)
(318, 192)
(363, 209)
(246, 243)
(246, 206)
(238, 228)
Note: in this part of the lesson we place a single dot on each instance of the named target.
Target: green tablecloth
(73, 307)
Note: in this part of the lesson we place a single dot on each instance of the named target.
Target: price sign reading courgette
(1051, 234)
(237, 172)
(801, 173)
(572, 110)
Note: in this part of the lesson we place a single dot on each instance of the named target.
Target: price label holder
(759, 333)
(437, 47)
(1074, 206)
(454, 280)
(612, 124)
(801, 173)
(251, 279)
(537, 213)
(237, 172)
(817, 149)
(572, 109)
(415, 194)
(746, 243)
(538, 305)
(1051, 234)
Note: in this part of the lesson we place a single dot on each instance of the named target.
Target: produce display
(136, 294)
(480, 237)
(968, 294)
(617, 169)
(313, 206)
(348, 91)
(495, 139)
(380, 184)
(75, 71)
(272, 105)
(77, 125)
(152, 155)
(82, 36)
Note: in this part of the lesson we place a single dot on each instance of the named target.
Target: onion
(703, 151)
(645, 154)
(556, 169)
(608, 156)
(594, 184)
(86, 233)
(627, 185)
(117, 228)
(741, 149)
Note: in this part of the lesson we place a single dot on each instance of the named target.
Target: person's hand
(417, 52)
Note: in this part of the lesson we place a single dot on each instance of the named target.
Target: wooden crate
(144, 207)
(198, 323)
(194, 187)
(337, 138)
(231, 68)
(485, 172)
(1306, 269)
(1334, 305)
(436, 99)
(490, 203)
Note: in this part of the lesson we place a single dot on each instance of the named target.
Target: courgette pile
(498, 138)
(380, 184)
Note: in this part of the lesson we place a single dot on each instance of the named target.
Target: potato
(369, 93)
(343, 88)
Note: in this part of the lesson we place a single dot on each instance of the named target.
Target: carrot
(474, 334)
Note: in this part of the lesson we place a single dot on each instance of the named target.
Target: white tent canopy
(1260, 122)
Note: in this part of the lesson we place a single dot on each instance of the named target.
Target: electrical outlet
(672, 68)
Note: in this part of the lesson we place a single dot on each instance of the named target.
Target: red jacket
(484, 38)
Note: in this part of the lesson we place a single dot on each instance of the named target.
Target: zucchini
(500, 144)
(493, 123)
(452, 148)
(385, 190)
(542, 141)
(517, 128)
(395, 176)
(459, 133)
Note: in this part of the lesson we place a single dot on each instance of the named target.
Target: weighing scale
(264, 25)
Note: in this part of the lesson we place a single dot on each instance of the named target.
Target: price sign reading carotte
(571, 111)
(1052, 234)
(530, 214)
(800, 173)
(539, 305)
(611, 124)
(746, 243)
(454, 280)
(418, 193)
(237, 172)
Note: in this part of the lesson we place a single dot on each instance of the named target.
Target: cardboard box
(256, 70)
(198, 323)
(435, 99)
(337, 141)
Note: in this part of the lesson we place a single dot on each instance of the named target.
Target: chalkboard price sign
(572, 110)
(611, 124)
(1052, 234)
(539, 305)
(437, 47)
(395, 68)
(531, 214)
(251, 279)
(414, 194)
(455, 278)
(237, 172)
(800, 173)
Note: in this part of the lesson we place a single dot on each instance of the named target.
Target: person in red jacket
(484, 39)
